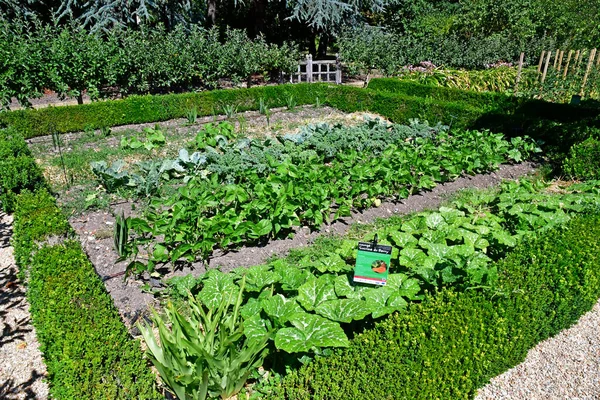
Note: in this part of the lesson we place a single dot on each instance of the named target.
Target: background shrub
(583, 161)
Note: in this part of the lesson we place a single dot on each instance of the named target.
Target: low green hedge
(86, 347)
(37, 218)
(453, 343)
(501, 111)
(142, 109)
(18, 170)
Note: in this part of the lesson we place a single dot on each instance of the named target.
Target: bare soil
(95, 232)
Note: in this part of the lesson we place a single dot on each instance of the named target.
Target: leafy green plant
(230, 110)
(262, 106)
(290, 103)
(212, 351)
(192, 115)
(318, 103)
(57, 146)
(105, 131)
(154, 138)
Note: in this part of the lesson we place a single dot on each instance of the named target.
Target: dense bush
(453, 343)
(18, 170)
(70, 60)
(583, 161)
(86, 347)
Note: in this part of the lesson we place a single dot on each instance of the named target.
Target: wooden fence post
(587, 70)
(546, 66)
(338, 70)
(578, 58)
(519, 71)
(556, 59)
(562, 54)
(568, 62)
(541, 61)
(309, 67)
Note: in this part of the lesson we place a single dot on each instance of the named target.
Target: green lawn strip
(86, 347)
(452, 343)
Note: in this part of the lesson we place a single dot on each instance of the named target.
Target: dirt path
(21, 367)
(95, 232)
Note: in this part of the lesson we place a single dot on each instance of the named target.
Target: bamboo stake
(519, 70)
(556, 59)
(587, 70)
(546, 66)
(562, 54)
(568, 62)
(578, 58)
(541, 61)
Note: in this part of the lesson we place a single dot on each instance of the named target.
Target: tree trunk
(211, 12)
(80, 98)
(323, 44)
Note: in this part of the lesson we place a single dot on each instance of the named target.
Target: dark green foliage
(18, 170)
(37, 217)
(583, 161)
(86, 347)
(453, 343)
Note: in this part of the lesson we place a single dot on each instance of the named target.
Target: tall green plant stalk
(208, 353)
(56, 143)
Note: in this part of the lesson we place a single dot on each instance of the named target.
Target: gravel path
(566, 366)
(21, 367)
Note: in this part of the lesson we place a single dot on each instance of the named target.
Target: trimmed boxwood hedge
(142, 109)
(87, 349)
(451, 344)
(18, 170)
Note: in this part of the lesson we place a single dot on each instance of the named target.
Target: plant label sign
(372, 263)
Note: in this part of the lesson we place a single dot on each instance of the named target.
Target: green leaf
(310, 331)
(343, 310)
(403, 239)
(259, 276)
(411, 257)
(435, 221)
(251, 308)
(255, 329)
(216, 287)
(410, 288)
(280, 308)
(314, 292)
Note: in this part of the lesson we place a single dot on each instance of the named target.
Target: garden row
(453, 343)
(291, 310)
(87, 349)
(69, 60)
(249, 191)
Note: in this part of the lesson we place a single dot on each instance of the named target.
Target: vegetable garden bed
(232, 191)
